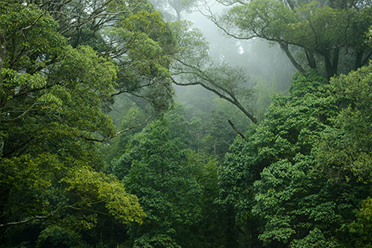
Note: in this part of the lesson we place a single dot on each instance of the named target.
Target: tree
(344, 150)
(193, 66)
(290, 128)
(142, 48)
(338, 171)
(218, 134)
(50, 98)
(132, 33)
(305, 170)
(326, 35)
(158, 169)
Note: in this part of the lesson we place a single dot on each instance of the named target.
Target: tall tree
(303, 172)
(50, 116)
(344, 151)
(291, 125)
(323, 35)
(158, 169)
(132, 33)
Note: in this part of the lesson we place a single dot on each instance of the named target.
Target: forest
(185, 123)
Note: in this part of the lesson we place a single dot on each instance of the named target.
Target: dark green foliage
(280, 175)
(299, 178)
(175, 185)
(159, 170)
(53, 190)
(316, 35)
(344, 150)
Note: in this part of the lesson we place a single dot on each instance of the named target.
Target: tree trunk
(336, 55)
(310, 59)
(358, 60)
(284, 47)
(331, 64)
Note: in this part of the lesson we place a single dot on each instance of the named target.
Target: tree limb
(284, 47)
(40, 217)
(115, 135)
(236, 130)
(232, 100)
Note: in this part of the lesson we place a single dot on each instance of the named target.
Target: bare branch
(21, 115)
(115, 135)
(32, 24)
(236, 130)
(131, 91)
(40, 217)
(232, 100)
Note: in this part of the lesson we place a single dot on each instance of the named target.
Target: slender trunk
(310, 59)
(331, 64)
(358, 60)
(328, 67)
(285, 48)
(291, 5)
(328, 64)
(366, 59)
(178, 12)
(336, 55)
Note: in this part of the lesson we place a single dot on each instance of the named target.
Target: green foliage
(158, 169)
(175, 185)
(132, 34)
(209, 230)
(297, 203)
(90, 185)
(344, 150)
(299, 171)
(50, 108)
(300, 178)
(362, 226)
(320, 32)
(314, 239)
(56, 235)
(346, 146)
(143, 51)
(31, 33)
(157, 240)
(125, 117)
(264, 90)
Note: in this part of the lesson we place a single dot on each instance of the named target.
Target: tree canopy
(51, 100)
(94, 152)
(293, 174)
(321, 35)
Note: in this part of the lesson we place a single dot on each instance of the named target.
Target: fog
(268, 68)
